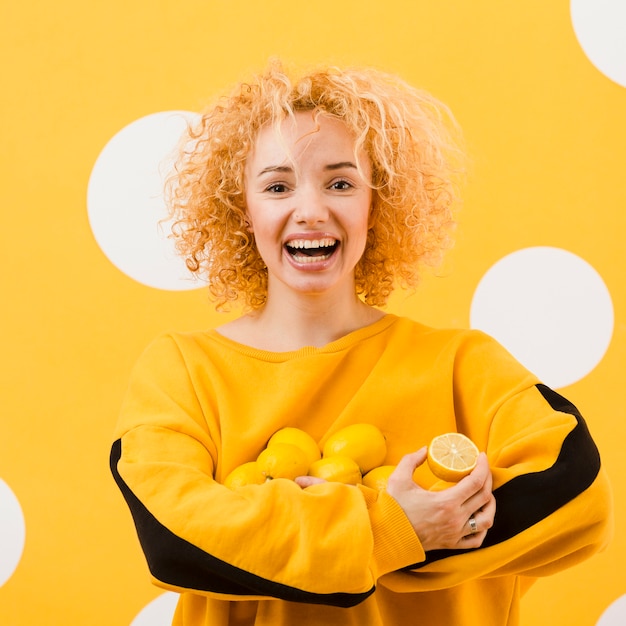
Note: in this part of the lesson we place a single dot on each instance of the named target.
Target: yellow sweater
(199, 404)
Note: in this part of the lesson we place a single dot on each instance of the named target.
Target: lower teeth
(304, 258)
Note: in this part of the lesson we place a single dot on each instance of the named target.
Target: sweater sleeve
(327, 544)
(553, 500)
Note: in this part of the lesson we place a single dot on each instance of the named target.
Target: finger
(472, 523)
(474, 491)
(473, 540)
(478, 480)
(307, 481)
(481, 520)
(478, 502)
(487, 514)
(489, 481)
(474, 531)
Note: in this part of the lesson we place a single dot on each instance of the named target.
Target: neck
(293, 321)
(317, 321)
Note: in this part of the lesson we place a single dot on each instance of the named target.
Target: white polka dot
(550, 309)
(125, 201)
(600, 26)
(615, 615)
(12, 532)
(159, 612)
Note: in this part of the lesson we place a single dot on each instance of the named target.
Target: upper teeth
(312, 243)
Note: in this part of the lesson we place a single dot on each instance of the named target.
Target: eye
(341, 185)
(277, 188)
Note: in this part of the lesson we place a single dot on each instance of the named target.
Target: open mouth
(311, 250)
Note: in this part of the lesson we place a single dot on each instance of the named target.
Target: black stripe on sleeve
(175, 561)
(527, 499)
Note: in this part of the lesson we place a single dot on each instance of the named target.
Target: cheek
(368, 216)
(262, 232)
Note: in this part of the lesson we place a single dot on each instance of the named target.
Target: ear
(247, 222)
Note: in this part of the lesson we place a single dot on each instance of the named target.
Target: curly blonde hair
(411, 140)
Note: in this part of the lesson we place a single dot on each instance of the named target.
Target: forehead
(306, 134)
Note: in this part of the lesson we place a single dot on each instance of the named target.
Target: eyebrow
(275, 168)
(341, 165)
(287, 168)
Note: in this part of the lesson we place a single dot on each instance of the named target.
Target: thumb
(405, 468)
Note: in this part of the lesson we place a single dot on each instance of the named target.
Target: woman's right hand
(441, 519)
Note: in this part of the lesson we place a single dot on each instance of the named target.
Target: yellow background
(547, 135)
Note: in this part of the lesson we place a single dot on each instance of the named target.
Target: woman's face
(308, 204)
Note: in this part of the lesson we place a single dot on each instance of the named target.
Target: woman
(310, 199)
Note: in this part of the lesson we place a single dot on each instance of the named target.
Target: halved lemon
(452, 456)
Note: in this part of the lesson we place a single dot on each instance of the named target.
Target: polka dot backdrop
(96, 96)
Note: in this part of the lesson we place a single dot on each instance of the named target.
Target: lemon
(246, 474)
(364, 443)
(283, 460)
(452, 456)
(377, 478)
(298, 438)
(339, 469)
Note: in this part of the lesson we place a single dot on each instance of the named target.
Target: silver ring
(472, 524)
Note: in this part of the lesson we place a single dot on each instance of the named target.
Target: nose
(310, 207)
